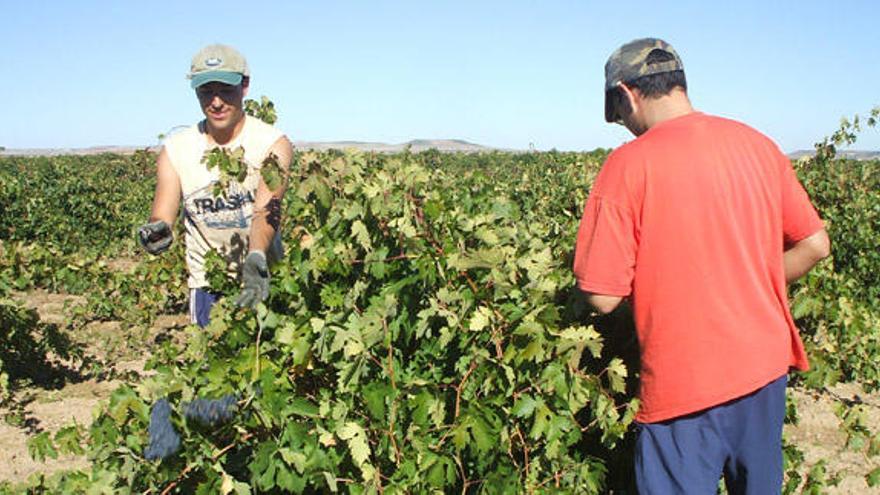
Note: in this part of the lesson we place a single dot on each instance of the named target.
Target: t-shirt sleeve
(605, 253)
(799, 217)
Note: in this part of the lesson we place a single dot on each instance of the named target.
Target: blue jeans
(740, 440)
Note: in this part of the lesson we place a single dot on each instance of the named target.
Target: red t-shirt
(691, 220)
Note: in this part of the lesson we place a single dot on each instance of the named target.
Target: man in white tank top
(240, 220)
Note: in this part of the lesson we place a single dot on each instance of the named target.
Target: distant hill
(854, 154)
(93, 150)
(416, 145)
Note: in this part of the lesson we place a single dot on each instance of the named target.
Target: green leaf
(271, 173)
(588, 336)
(359, 232)
(487, 236)
(123, 400)
(617, 375)
(304, 407)
(330, 478)
(480, 319)
(266, 480)
(40, 447)
(542, 422)
(69, 440)
(436, 476)
(354, 434)
(333, 296)
(422, 404)
(295, 459)
(441, 472)
(524, 406)
(483, 436)
(286, 334)
(460, 435)
(288, 481)
(324, 194)
(873, 478)
(374, 397)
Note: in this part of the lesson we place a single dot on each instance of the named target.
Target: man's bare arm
(804, 254)
(603, 304)
(166, 200)
(267, 206)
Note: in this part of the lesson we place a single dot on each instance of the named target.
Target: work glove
(155, 237)
(255, 280)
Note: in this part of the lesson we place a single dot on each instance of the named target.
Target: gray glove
(155, 237)
(255, 280)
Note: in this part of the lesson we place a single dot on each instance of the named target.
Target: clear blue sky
(499, 73)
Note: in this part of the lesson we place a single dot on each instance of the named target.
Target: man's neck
(673, 105)
(224, 136)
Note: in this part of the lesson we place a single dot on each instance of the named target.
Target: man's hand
(155, 237)
(255, 278)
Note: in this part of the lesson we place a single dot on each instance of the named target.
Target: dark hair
(656, 85)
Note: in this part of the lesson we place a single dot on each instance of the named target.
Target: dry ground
(817, 434)
(118, 351)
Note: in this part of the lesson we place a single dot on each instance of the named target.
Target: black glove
(155, 237)
(255, 280)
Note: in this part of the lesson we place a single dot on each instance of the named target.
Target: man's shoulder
(740, 129)
(184, 135)
(701, 130)
(748, 137)
(628, 153)
(623, 166)
(732, 123)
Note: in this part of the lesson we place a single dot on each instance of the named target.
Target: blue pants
(200, 302)
(740, 439)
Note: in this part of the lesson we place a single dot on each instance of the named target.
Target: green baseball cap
(220, 63)
(638, 58)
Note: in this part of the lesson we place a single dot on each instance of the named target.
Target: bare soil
(116, 350)
(817, 434)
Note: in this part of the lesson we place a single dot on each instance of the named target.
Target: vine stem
(401, 256)
(257, 350)
(465, 482)
(458, 389)
(525, 450)
(461, 385)
(393, 387)
(499, 353)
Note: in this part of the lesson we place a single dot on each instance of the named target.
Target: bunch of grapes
(164, 441)
(211, 411)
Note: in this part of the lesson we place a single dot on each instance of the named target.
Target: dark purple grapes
(164, 441)
(210, 412)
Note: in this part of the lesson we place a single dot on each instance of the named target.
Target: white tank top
(222, 222)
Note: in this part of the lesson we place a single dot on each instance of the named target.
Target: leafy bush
(419, 340)
(29, 347)
(76, 203)
(836, 304)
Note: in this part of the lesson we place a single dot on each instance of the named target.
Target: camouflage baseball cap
(220, 63)
(641, 57)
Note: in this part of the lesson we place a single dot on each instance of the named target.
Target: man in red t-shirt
(701, 223)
